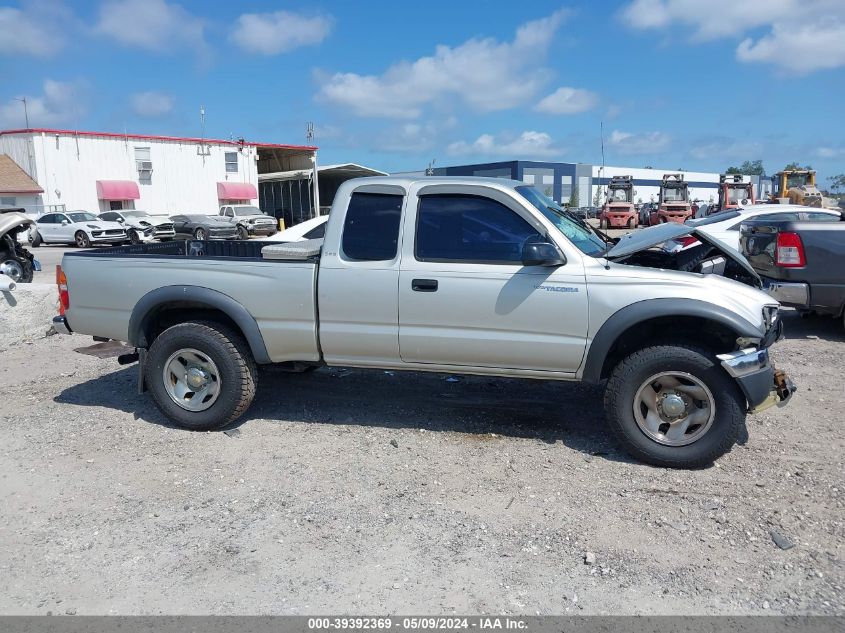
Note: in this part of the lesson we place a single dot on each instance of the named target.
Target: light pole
(25, 111)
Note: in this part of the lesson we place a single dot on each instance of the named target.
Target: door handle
(424, 285)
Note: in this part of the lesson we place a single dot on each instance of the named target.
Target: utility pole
(25, 111)
(309, 137)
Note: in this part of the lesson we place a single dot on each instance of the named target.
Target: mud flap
(142, 361)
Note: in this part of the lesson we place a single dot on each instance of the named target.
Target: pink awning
(117, 190)
(236, 191)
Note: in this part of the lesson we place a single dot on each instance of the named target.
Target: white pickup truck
(249, 219)
(453, 275)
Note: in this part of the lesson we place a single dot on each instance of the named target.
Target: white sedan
(724, 226)
(312, 229)
(141, 226)
(76, 227)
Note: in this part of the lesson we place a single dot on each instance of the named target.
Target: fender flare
(199, 297)
(641, 311)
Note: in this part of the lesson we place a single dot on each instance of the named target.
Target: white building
(99, 171)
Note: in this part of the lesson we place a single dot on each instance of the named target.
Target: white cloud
(278, 32)
(801, 35)
(413, 137)
(61, 103)
(529, 144)
(831, 152)
(485, 74)
(153, 25)
(800, 48)
(38, 28)
(151, 104)
(568, 101)
(725, 148)
(644, 143)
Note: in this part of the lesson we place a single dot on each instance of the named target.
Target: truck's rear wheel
(201, 375)
(674, 406)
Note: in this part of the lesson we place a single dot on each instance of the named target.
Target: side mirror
(65, 222)
(121, 220)
(541, 254)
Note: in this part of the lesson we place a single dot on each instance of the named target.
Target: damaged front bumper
(60, 325)
(763, 385)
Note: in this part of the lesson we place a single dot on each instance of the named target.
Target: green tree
(573, 199)
(749, 167)
(837, 183)
(792, 166)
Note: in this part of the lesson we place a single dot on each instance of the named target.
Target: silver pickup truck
(454, 275)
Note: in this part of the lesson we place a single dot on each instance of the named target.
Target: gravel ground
(362, 492)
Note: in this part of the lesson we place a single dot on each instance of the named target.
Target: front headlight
(770, 315)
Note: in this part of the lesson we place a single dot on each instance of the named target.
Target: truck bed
(279, 294)
(824, 250)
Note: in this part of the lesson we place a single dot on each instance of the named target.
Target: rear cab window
(371, 227)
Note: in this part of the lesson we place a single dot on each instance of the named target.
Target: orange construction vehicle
(733, 193)
(674, 205)
(618, 210)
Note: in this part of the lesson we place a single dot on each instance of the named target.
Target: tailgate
(757, 243)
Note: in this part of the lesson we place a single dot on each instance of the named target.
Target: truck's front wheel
(674, 406)
(201, 375)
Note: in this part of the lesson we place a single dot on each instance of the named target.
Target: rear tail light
(790, 251)
(64, 296)
(686, 241)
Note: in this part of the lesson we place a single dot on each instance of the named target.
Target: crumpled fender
(10, 221)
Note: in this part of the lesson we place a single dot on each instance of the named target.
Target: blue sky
(678, 83)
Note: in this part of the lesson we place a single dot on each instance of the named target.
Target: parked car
(249, 219)
(140, 226)
(203, 227)
(16, 262)
(802, 263)
(312, 229)
(408, 278)
(76, 227)
(645, 213)
(725, 225)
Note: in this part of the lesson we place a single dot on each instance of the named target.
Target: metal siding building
(96, 171)
(560, 180)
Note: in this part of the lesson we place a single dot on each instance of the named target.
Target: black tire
(133, 237)
(243, 233)
(199, 234)
(81, 239)
(231, 354)
(631, 223)
(36, 240)
(22, 266)
(627, 377)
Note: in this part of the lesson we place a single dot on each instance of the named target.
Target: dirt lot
(352, 491)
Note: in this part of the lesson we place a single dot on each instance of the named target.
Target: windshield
(82, 217)
(618, 195)
(797, 180)
(247, 211)
(135, 214)
(674, 194)
(579, 233)
(737, 194)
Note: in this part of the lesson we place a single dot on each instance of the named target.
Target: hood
(13, 220)
(155, 220)
(644, 239)
(102, 224)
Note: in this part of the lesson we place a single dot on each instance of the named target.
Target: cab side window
(371, 227)
(466, 228)
(50, 218)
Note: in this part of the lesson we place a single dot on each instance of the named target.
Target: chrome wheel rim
(200, 234)
(12, 269)
(674, 408)
(191, 379)
(81, 240)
